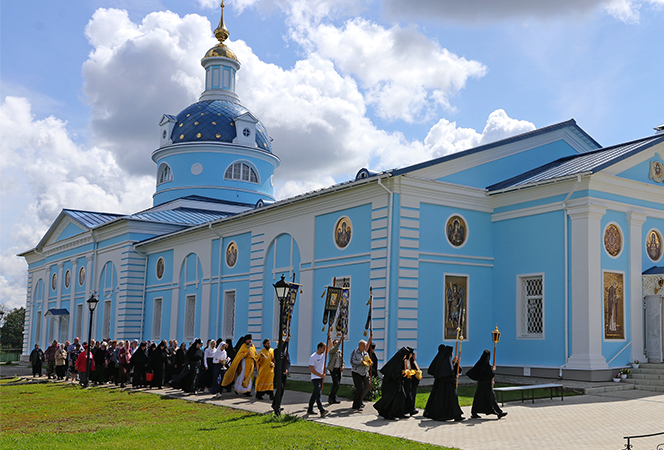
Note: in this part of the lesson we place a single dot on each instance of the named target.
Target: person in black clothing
(231, 352)
(373, 370)
(485, 399)
(158, 358)
(278, 395)
(139, 361)
(411, 381)
(99, 375)
(36, 359)
(392, 404)
(443, 403)
(193, 366)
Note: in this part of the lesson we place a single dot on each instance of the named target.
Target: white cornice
(214, 147)
(234, 189)
(627, 188)
(446, 194)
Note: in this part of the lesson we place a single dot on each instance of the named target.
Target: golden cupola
(221, 33)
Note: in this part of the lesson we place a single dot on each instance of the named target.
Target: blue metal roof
(654, 270)
(213, 120)
(57, 312)
(591, 162)
(180, 216)
(570, 123)
(90, 219)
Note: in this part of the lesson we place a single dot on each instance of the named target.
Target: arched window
(241, 171)
(164, 174)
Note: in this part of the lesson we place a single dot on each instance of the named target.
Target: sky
(339, 85)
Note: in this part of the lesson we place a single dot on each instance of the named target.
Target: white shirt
(209, 353)
(220, 356)
(317, 361)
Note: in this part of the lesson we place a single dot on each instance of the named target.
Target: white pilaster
(636, 221)
(586, 299)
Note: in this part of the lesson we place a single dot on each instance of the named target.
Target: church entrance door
(654, 325)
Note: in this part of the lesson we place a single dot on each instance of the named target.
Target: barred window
(531, 307)
(241, 171)
(189, 317)
(156, 320)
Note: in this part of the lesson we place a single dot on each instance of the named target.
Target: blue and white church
(547, 235)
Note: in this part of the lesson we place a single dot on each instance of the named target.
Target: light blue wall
(191, 283)
(107, 290)
(641, 171)
(80, 289)
(649, 224)
(69, 231)
(493, 172)
(360, 217)
(37, 296)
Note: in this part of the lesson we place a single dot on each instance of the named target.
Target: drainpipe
(145, 283)
(390, 212)
(566, 247)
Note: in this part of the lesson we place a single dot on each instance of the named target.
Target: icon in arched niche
(456, 230)
(161, 266)
(343, 231)
(231, 254)
(612, 240)
(614, 314)
(654, 245)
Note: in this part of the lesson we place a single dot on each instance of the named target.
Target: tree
(11, 332)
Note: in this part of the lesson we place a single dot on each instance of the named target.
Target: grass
(13, 379)
(48, 416)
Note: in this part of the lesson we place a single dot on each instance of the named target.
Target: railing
(628, 445)
(621, 350)
(10, 354)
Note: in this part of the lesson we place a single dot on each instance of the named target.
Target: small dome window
(241, 171)
(164, 174)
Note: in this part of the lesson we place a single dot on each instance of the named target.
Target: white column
(636, 220)
(72, 296)
(586, 298)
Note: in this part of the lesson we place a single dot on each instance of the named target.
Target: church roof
(180, 216)
(214, 120)
(590, 162)
(90, 219)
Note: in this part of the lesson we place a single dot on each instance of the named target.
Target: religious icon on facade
(231, 254)
(160, 268)
(654, 245)
(456, 303)
(54, 282)
(343, 232)
(456, 230)
(612, 240)
(656, 172)
(67, 279)
(81, 276)
(614, 300)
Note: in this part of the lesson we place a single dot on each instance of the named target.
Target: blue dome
(213, 120)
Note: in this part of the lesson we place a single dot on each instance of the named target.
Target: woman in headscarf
(194, 363)
(241, 372)
(61, 362)
(139, 360)
(206, 377)
(443, 403)
(412, 377)
(158, 364)
(485, 399)
(392, 404)
(124, 358)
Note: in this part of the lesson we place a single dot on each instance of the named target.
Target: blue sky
(339, 85)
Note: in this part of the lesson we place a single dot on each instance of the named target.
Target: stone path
(592, 421)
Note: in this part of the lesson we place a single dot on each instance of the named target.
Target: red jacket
(82, 362)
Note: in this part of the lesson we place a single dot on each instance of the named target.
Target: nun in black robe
(410, 383)
(193, 367)
(158, 358)
(392, 404)
(443, 403)
(485, 399)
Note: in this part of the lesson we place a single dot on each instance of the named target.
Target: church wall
(484, 175)
(69, 231)
(640, 172)
(657, 224)
(159, 288)
(529, 246)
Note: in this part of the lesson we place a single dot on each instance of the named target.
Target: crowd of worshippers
(195, 368)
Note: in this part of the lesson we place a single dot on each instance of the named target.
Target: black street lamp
(281, 288)
(92, 305)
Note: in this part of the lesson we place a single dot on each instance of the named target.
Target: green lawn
(51, 416)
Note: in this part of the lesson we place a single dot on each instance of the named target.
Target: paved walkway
(595, 421)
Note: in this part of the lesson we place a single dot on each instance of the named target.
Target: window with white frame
(38, 321)
(64, 328)
(189, 317)
(228, 328)
(156, 320)
(106, 328)
(79, 320)
(164, 174)
(241, 171)
(530, 308)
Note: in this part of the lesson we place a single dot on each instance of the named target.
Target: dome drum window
(242, 172)
(164, 174)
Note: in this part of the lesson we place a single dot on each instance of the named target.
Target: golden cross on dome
(221, 32)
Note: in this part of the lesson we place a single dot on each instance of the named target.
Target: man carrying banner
(360, 363)
(336, 367)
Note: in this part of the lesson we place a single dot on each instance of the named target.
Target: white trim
(185, 336)
(251, 166)
(161, 168)
(233, 149)
(661, 244)
(224, 332)
(624, 307)
(622, 239)
(156, 336)
(447, 238)
(520, 334)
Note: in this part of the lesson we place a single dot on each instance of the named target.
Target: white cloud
(40, 157)
(491, 10)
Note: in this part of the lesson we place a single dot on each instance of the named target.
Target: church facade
(545, 235)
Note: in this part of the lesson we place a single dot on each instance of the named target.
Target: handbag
(149, 376)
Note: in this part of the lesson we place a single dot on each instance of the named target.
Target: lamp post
(281, 289)
(92, 305)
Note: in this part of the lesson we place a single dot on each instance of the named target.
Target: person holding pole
(485, 399)
(336, 367)
(317, 369)
(360, 363)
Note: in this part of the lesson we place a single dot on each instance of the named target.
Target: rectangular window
(79, 320)
(531, 307)
(156, 320)
(38, 327)
(215, 77)
(64, 328)
(229, 315)
(189, 317)
(106, 326)
(227, 78)
(51, 325)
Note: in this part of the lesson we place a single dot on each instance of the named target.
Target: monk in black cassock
(485, 399)
(192, 370)
(411, 380)
(392, 404)
(443, 403)
(158, 358)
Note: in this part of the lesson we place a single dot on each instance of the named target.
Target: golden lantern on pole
(495, 336)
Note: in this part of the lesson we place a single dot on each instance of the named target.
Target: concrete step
(649, 371)
(615, 387)
(649, 388)
(646, 376)
(651, 366)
